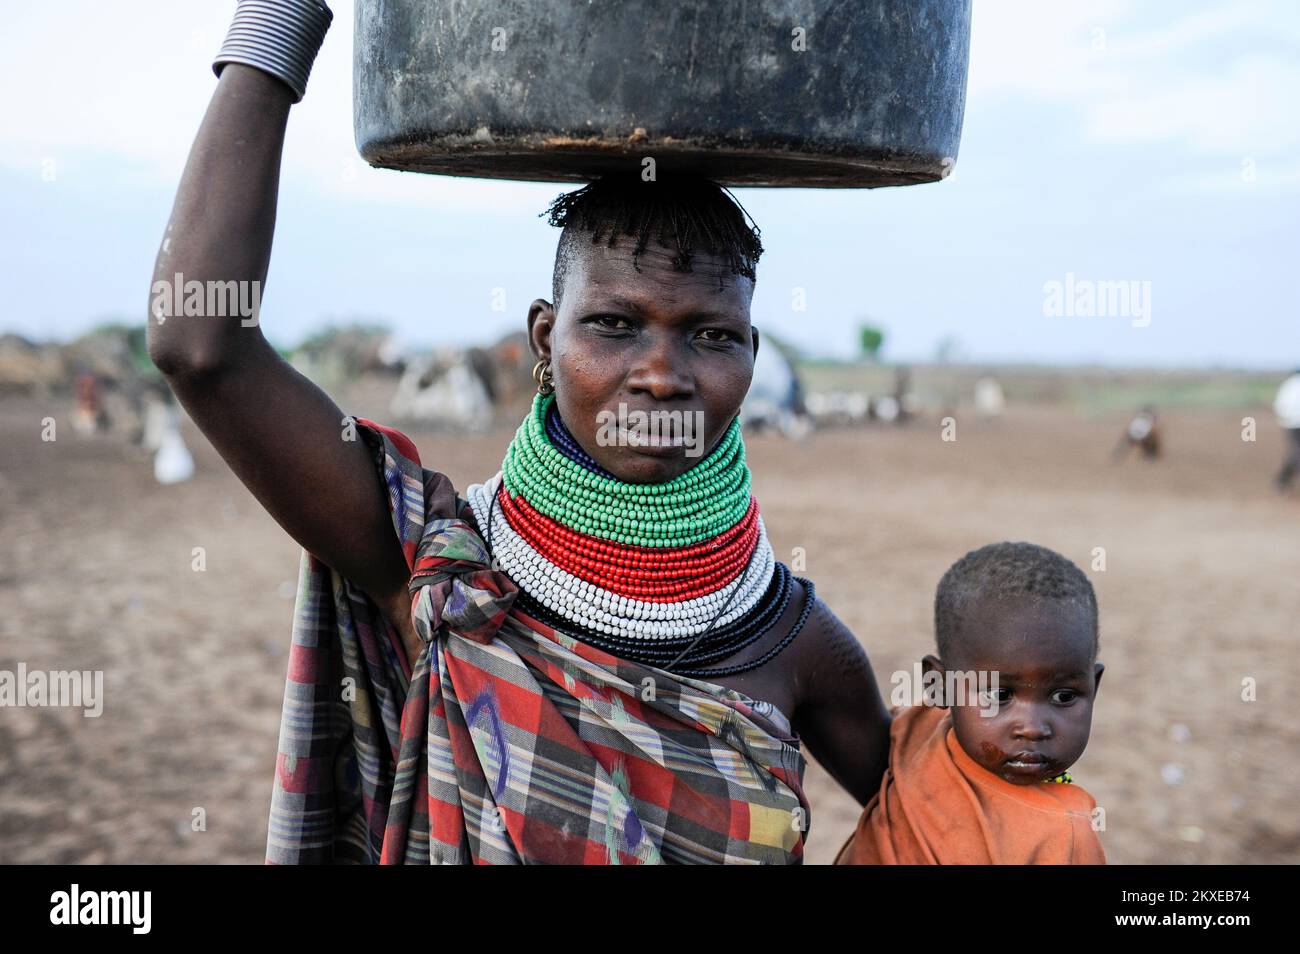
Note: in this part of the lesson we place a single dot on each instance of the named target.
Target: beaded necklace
(678, 574)
(692, 507)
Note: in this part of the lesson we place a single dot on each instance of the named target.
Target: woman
(451, 698)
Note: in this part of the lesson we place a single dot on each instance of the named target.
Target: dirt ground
(1198, 594)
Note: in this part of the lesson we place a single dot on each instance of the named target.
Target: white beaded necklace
(587, 605)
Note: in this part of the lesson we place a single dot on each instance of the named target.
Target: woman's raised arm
(280, 434)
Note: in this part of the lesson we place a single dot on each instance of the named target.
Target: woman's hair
(683, 212)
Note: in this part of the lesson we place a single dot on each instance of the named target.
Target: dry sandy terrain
(1199, 592)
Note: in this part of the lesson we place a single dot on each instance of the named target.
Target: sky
(1153, 143)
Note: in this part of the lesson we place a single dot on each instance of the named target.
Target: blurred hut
(775, 400)
(340, 354)
(467, 389)
(30, 369)
(444, 389)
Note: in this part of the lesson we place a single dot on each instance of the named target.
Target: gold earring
(542, 375)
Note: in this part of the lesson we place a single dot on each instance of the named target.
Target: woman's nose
(661, 370)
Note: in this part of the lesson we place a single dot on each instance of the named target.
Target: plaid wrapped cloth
(510, 742)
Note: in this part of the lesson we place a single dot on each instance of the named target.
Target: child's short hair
(1009, 571)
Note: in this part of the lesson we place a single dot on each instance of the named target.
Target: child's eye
(1063, 697)
(1000, 698)
(726, 335)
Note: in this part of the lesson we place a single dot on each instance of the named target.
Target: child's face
(1047, 676)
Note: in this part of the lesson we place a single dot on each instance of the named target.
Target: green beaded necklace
(703, 502)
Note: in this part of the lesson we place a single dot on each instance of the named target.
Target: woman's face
(649, 367)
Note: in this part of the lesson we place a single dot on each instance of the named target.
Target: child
(982, 780)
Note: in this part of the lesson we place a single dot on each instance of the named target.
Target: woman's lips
(657, 444)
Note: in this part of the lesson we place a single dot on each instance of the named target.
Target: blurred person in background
(1142, 432)
(1287, 408)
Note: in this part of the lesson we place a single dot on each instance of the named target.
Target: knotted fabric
(509, 741)
(453, 585)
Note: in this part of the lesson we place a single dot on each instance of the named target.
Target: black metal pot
(814, 93)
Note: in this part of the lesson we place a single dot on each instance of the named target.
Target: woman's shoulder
(830, 663)
(400, 442)
(416, 493)
(826, 647)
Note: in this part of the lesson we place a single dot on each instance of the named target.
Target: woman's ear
(541, 323)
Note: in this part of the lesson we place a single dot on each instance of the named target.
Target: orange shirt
(938, 806)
